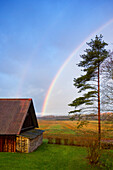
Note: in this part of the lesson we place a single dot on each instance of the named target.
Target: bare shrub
(94, 151)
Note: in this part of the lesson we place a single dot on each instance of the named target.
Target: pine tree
(90, 80)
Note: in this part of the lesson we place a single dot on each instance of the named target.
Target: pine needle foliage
(88, 82)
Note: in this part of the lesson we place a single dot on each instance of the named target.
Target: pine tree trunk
(99, 126)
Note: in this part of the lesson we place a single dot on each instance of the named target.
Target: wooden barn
(18, 126)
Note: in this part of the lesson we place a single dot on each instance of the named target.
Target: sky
(40, 44)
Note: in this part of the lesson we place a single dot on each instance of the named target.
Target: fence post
(72, 142)
(65, 141)
(50, 140)
(57, 141)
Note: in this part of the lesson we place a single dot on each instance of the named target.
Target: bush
(94, 151)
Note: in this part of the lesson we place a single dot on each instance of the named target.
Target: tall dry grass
(86, 131)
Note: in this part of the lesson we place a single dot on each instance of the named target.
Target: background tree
(107, 84)
(90, 80)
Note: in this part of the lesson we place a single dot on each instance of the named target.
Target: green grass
(47, 157)
(107, 159)
(52, 157)
(60, 131)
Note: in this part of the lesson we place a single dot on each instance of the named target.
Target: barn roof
(13, 113)
(31, 134)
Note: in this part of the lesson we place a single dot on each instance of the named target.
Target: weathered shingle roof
(12, 115)
(31, 134)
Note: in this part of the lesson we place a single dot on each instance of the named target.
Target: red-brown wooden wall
(7, 143)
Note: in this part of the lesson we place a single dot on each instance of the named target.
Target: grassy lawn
(48, 157)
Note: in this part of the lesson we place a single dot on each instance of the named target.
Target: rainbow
(66, 62)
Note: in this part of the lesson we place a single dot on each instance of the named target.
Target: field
(69, 129)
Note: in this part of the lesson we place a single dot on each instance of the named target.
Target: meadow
(69, 129)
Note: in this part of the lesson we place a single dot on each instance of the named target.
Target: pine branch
(91, 61)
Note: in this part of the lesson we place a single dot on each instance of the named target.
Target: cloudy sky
(40, 44)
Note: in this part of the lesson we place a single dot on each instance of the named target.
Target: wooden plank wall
(7, 143)
(22, 144)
